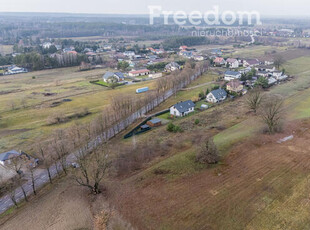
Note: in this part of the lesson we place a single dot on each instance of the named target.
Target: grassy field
(28, 100)
(259, 184)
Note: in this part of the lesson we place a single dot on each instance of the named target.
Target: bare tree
(10, 187)
(208, 153)
(61, 148)
(272, 113)
(278, 61)
(254, 99)
(92, 169)
(32, 177)
(17, 164)
(43, 151)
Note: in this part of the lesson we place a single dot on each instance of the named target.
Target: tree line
(88, 142)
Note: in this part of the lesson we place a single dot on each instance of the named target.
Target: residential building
(5, 158)
(137, 73)
(250, 62)
(198, 58)
(234, 86)
(15, 70)
(186, 54)
(217, 52)
(129, 53)
(277, 74)
(183, 48)
(267, 68)
(47, 45)
(263, 73)
(232, 75)
(233, 63)
(219, 61)
(216, 96)
(111, 77)
(182, 108)
(172, 66)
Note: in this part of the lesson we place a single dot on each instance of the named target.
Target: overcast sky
(265, 7)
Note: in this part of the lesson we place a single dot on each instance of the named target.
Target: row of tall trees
(37, 61)
(87, 144)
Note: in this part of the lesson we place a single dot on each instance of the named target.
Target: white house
(262, 73)
(47, 45)
(277, 74)
(129, 53)
(182, 108)
(231, 75)
(15, 70)
(216, 96)
(198, 58)
(111, 77)
(266, 68)
(233, 63)
(173, 66)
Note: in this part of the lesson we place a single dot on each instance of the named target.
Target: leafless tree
(46, 160)
(32, 177)
(278, 61)
(254, 99)
(61, 148)
(92, 169)
(17, 164)
(272, 113)
(208, 153)
(10, 187)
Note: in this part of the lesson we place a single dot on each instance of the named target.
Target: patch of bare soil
(7, 132)
(66, 206)
(255, 173)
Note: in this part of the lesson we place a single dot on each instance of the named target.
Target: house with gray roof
(216, 96)
(182, 108)
(111, 77)
(172, 67)
(5, 157)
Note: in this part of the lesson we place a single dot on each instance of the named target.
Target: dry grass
(258, 187)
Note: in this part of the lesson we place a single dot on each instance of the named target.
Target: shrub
(174, 128)
(170, 127)
(208, 153)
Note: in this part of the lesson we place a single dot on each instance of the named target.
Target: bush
(174, 128)
(170, 127)
(208, 153)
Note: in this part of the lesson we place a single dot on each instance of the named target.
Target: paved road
(41, 176)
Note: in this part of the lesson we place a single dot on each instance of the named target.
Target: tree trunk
(24, 193)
